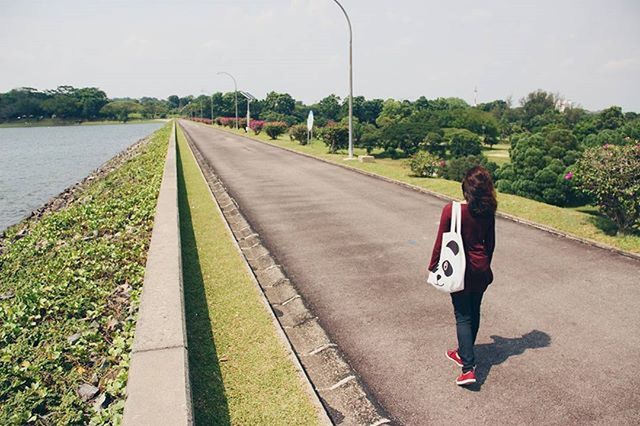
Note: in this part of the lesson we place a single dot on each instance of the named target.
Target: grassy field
(498, 153)
(69, 288)
(584, 222)
(240, 372)
(48, 122)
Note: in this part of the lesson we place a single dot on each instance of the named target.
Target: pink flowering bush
(256, 126)
(611, 175)
(202, 120)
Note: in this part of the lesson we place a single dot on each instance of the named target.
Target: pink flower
(443, 163)
(568, 176)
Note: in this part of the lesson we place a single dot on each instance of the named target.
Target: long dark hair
(478, 190)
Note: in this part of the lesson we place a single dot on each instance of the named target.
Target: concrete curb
(158, 389)
(507, 216)
(330, 377)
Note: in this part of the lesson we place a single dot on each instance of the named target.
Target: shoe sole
(453, 360)
(465, 382)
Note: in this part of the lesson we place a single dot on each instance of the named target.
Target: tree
(610, 118)
(463, 143)
(152, 107)
(393, 111)
(369, 139)
(120, 110)
(406, 135)
(22, 102)
(366, 111)
(328, 107)
(281, 103)
(434, 143)
(335, 137)
(174, 101)
(62, 105)
(477, 121)
(537, 103)
(90, 101)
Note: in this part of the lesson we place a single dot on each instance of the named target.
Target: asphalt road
(559, 340)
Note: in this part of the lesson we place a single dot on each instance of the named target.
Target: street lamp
(250, 98)
(235, 93)
(350, 82)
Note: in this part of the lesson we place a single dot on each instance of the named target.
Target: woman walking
(478, 236)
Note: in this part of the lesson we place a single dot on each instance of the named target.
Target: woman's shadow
(490, 354)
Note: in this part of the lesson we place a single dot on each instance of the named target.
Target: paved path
(560, 335)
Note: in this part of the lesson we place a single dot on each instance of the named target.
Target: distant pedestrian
(478, 236)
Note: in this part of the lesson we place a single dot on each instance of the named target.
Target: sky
(587, 51)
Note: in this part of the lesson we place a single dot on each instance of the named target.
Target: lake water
(37, 163)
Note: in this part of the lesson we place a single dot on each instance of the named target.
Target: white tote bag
(449, 273)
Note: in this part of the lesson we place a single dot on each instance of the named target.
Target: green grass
(240, 372)
(50, 122)
(582, 222)
(78, 271)
(498, 153)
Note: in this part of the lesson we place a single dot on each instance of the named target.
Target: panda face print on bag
(447, 267)
(449, 273)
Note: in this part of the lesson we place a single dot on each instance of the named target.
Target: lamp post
(235, 93)
(350, 81)
(250, 98)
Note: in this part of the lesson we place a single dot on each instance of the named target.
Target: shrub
(335, 137)
(275, 128)
(456, 168)
(299, 133)
(424, 164)
(539, 163)
(610, 174)
(256, 126)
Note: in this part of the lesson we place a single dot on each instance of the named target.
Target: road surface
(559, 340)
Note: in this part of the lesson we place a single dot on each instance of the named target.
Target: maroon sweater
(479, 238)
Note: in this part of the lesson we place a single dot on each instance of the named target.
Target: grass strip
(240, 372)
(583, 222)
(69, 289)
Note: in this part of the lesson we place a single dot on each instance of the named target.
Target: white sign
(310, 121)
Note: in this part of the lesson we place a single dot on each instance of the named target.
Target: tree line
(443, 137)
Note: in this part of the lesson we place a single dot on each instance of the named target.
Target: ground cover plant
(69, 289)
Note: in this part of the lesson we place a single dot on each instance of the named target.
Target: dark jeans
(466, 307)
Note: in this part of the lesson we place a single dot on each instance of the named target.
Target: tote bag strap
(456, 217)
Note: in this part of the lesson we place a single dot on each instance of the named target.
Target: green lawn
(582, 222)
(240, 371)
(498, 153)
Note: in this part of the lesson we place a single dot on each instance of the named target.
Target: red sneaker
(467, 378)
(453, 356)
